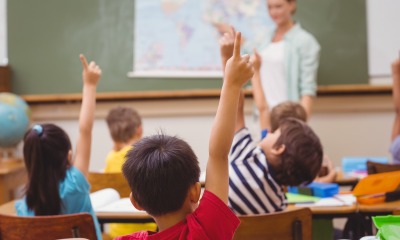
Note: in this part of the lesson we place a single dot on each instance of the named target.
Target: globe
(14, 119)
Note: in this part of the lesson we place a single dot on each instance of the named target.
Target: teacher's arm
(309, 61)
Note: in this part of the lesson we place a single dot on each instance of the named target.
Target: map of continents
(181, 36)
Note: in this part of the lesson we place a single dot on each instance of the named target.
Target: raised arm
(258, 93)
(226, 43)
(237, 71)
(396, 97)
(90, 75)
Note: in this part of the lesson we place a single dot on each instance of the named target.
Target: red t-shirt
(211, 220)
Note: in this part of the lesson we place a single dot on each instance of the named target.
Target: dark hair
(46, 159)
(302, 158)
(285, 110)
(160, 169)
(123, 123)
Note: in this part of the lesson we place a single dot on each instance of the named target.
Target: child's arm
(237, 71)
(258, 93)
(396, 97)
(226, 43)
(91, 75)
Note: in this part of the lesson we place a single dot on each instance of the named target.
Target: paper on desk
(109, 200)
(122, 205)
(336, 201)
(103, 197)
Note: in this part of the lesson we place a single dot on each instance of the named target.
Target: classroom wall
(347, 125)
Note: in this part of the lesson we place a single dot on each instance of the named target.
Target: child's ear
(194, 192)
(139, 131)
(278, 150)
(134, 203)
(70, 155)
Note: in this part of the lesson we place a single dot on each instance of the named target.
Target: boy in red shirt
(163, 172)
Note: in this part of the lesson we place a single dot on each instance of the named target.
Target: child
(125, 125)
(395, 145)
(291, 155)
(271, 121)
(163, 172)
(56, 184)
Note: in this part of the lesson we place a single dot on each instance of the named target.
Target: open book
(109, 200)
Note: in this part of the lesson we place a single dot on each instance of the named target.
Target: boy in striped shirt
(291, 155)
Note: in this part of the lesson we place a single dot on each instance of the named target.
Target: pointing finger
(236, 47)
(83, 60)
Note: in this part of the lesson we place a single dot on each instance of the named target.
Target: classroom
(162, 58)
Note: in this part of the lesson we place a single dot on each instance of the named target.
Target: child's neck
(170, 219)
(120, 145)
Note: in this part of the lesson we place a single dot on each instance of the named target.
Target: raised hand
(256, 60)
(91, 72)
(226, 43)
(238, 69)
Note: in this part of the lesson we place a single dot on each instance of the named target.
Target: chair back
(375, 167)
(291, 224)
(117, 181)
(78, 225)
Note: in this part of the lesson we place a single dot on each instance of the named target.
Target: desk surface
(387, 207)
(10, 165)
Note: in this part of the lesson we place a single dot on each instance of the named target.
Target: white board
(3, 33)
(383, 19)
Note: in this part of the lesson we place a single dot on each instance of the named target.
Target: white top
(273, 73)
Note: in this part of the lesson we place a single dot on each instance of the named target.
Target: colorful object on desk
(389, 227)
(358, 165)
(377, 188)
(293, 198)
(322, 190)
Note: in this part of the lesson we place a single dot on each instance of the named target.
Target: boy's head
(285, 110)
(160, 170)
(298, 152)
(124, 124)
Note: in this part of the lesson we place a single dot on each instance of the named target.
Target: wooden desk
(379, 208)
(12, 175)
(329, 212)
(103, 217)
(345, 181)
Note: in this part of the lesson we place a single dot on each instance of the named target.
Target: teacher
(290, 58)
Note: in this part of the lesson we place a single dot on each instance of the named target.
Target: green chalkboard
(45, 38)
(340, 27)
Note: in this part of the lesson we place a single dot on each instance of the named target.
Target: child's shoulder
(74, 181)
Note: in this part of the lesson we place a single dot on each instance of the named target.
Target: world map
(180, 37)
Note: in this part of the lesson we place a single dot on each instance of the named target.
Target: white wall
(383, 35)
(3, 32)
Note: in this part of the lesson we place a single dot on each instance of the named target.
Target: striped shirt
(252, 188)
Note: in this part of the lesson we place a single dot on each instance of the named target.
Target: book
(109, 200)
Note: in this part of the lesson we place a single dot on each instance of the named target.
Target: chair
(375, 167)
(78, 225)
(117, 181)
(396, 212)
(287, 225)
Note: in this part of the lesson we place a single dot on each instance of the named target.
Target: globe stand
(6, 153)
